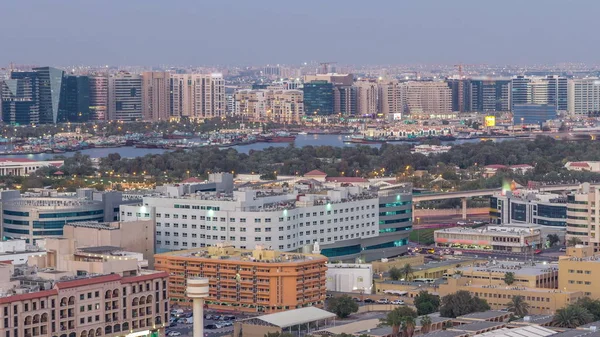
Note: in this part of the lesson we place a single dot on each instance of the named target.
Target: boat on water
(303, 133)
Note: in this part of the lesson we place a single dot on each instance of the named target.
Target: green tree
(426, 303)
(572, 316)
(462, 303)
(395, 273)
(518, 306)
(553, 239)
(573, 241)
(407, 271)
(509, 278)
(342, 306)
(397, 318)
(408, 326)
(593, 306)
(425, 322)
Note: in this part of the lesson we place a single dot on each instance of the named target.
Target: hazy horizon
(137, 32)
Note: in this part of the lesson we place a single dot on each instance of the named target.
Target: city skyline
(355, 33)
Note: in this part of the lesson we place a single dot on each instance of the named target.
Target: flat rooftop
(480, 325)
(512, 231)
(518, 268)
(484, 315)
(230, 253)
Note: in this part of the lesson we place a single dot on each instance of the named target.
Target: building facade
(490, 95)
(156, 95)
(582, 224)
(125, 97)
(533, 114)
(20, 97)
(367, 97)
(427, 98)
(584, 96)
(50, 89)
(199, 96)
(259, 280)
(347, 222)
(75, 101)
(24, 167)
(99, 97)
(318, 98)
(493, 238)
(529, 207)
(391, 99)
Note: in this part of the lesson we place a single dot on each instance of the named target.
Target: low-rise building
(17, 251)
(580, 271)
(348, 277)
(24, 167)
(497, 238)
(591, 166)
(529, 207)
(82, 293)
(260, 280)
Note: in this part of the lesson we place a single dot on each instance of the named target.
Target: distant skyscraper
(199, 96)
(318, 98)
(366, 97)
(99, 97)
(520, 91)
(50, 93)
(558, 92)
(125, 97)
(584, 96)
(75, 101)
(156, 95)
(344, 91)
(20, 98)
(490, 95)
(460, 94)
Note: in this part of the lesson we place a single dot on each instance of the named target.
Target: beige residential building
(366, 97)
(580, 271)
(428, 97)
(583, 95)
(391, 99)
(156, 95)
(133, 236)
(582, 223)
(76, 292)
(285, 106)
(199, 96)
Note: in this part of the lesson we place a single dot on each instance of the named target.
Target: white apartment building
(583, 96)
(346, 222)
(198, 95)
(582, 223)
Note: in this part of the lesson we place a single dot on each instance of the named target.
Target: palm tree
(573, 241)
(571, 317)
(509, 278)
(518, 306)
(394, 319)
(407, 271)
(408, 326)
(425, 322)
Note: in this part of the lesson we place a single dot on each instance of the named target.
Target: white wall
(347, 277)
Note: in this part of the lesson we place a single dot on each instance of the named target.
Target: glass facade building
(75, 101)
(533, 113)
(318, 98)
(20, 98)
(543, 209)
(489, 95)
(50, 84)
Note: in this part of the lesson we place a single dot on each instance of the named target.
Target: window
(232, 229)
(267, 229)
(231, 219)
(242, 219)
(256, 220)
(193, 217)
(257, 230)
(267, 219)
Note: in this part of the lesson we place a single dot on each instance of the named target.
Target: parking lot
(186, 329)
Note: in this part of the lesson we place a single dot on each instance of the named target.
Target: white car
(174, 333)
(383, 301)
(397, 302)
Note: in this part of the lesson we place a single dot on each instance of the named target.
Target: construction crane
(324, 67)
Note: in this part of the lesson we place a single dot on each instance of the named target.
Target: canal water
(301, 141)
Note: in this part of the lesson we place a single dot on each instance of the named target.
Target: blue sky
(244, 32)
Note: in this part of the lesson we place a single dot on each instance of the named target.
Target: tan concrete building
(391, 98)
(156, 95)
(541, 300)
(70, 292)
(582, 206)
(134, 236)
(366, 97)
(198, 96)
(580, 271)
(428, 98)
(99, 97)
(515, 239)
(284, 106)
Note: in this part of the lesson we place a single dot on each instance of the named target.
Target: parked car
(369, 300)
(208, 316)
(174, 333)
(225, 323)
(356, 299)
(383, 301)
(172, 324)
(228, 317)
(397, 302)
(211, 326)
(562, 249)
